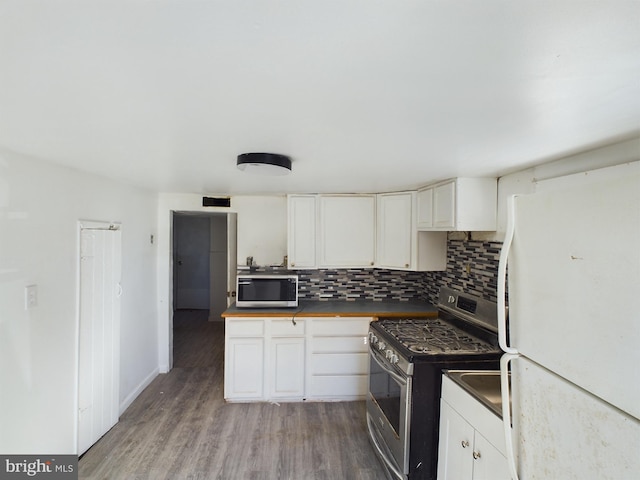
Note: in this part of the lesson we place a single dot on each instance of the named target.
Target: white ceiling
(364, 95)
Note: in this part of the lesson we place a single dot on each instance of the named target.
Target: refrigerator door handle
(502, 278)
(506, 413)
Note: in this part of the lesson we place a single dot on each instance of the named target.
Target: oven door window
(387, 393)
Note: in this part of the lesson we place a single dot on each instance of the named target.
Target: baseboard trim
(126, 403)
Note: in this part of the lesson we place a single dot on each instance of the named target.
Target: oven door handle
(388, 462)
(383, 365)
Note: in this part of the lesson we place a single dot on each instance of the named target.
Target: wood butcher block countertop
(340, 308)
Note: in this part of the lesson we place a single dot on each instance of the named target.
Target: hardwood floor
(181, 428)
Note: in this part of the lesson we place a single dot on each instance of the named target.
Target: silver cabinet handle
(476, 455)
(464, 443)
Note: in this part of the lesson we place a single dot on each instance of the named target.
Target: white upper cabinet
(301, 241)
(347, 230)
(399, 244)
(361, 231)
(396, 232)
(460, 204)
(444, 205)
(331, 231)
(425, 208)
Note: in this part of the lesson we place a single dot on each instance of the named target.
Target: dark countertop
(341, 308)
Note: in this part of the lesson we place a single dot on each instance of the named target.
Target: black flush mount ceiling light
(264, 163)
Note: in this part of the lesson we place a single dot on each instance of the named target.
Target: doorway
(191, 242)
(204, 261)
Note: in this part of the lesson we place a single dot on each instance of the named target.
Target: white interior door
(99, 332)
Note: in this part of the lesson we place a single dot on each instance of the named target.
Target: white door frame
(232, 222)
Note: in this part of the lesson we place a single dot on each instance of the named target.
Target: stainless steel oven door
(388, 413)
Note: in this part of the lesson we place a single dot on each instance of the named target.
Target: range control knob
(372, 338)
(391, 356)
(381, 345)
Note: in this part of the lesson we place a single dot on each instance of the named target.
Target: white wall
(524, 181)
(262, 233)
(40, 205)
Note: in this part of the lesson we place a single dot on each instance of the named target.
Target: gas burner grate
(433, 336)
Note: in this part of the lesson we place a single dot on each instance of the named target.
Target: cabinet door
(425, 208)
(287, 368)
(455, 447)
(489, 463)
(444, 206)
(347, 230)
(301, 242)
(396, 234)
(244, 372)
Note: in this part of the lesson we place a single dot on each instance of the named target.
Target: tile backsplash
(472, 266)
(361, 284)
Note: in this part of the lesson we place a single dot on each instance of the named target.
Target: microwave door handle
(402, 381)
(502, 278)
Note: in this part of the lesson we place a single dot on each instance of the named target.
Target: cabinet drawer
(286, 327)
(340, 364)
(339, 345)
(244, 328)
(338, 387)
(339, 327)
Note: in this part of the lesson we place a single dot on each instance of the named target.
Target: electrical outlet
(30, 296)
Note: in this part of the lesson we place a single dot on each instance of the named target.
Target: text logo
(54, 467)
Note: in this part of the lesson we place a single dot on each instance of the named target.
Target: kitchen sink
(484, 385)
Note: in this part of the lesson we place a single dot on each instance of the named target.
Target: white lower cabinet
(244, 359)
(244, 369)
(471, 445)
(286, 358)
(264, 359)
(287, 368)
(295, 359)
(338, 358)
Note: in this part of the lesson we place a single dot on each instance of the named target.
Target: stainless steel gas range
(407, 357)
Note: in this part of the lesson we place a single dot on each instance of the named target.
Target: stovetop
(433, 336)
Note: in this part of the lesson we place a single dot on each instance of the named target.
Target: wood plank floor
(181, 428)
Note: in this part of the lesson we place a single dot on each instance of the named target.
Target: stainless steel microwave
(263, 291)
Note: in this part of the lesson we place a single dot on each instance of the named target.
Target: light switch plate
(30, 296)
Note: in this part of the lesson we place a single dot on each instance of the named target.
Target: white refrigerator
(572, 334)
